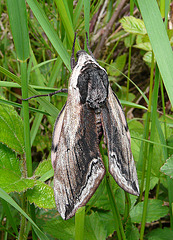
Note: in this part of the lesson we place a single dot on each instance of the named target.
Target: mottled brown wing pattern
(91, 111)
(121, 163)
(77, 163)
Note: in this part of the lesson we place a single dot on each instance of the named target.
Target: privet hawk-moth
(91, 110)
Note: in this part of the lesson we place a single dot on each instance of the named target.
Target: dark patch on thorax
(93, 85)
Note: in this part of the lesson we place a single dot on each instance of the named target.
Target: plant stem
(26, 118)
(79, 223)
(150, 157)
(22, 235)
(127, 207)
(144, 146)
(116, 215)
(27, 172)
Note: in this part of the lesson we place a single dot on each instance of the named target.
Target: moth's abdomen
(93, 85)
(99, 125)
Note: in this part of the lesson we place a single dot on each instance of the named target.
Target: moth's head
(82, 56)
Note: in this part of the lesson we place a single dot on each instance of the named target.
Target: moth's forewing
(76, 159)
(121, 163)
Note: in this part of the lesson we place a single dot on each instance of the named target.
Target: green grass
(38, 63)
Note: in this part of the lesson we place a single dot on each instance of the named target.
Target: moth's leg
(63, 90)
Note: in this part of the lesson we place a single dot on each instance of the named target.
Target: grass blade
(8, 199)
(18, 22)
(50, 32)
(159, 41)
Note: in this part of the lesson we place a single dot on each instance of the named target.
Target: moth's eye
(78, 54)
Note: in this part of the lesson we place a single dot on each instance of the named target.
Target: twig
(109, 28)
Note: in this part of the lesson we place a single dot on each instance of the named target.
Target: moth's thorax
(83, 58)
(89, 81)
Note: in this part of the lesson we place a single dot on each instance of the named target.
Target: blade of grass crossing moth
(86, 18)
(150, 157)
(49, 31)
(79, 223)
(159, 41)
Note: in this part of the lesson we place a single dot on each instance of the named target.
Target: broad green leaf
(9, 182)
(60, 229)
(11, 130)
(132, 232)
(160, 234)
(18, 22)
(8, 199)
(102, 201)
(117, 67)
(94, 228)
(142, 39)
(144, 46)
(41, 195)
(167, 168)
(133, 25)
(10, 174)
(129, 40)
(9, 160)
(155, 211)
(43, 167)
(108, 220)
(148, 57)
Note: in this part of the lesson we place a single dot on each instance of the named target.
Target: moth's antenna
(72, 60)
(89, 49)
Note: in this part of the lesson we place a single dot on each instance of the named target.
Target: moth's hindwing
(76, 159)
(121, 163)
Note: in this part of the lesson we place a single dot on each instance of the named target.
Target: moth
(91, 110)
